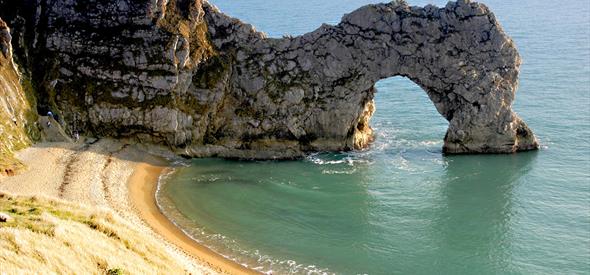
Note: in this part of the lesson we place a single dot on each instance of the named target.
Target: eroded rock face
(17, 118)
(319, 86)
(5, 42)
(183, 73)
(114, 68)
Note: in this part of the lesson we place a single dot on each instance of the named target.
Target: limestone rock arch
(315, 91)
(183, 74)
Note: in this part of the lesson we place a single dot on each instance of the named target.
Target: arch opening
(317, 89)
(404, 116)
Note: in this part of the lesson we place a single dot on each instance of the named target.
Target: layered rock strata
(182, 73)
(319, 86)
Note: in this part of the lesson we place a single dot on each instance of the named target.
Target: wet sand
(143, 185)
(111, 174)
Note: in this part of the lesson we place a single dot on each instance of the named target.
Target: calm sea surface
(401, 207)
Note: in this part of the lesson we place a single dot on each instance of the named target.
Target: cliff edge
(17, 113)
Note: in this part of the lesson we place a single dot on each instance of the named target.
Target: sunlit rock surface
(184, 74)
(17, 117)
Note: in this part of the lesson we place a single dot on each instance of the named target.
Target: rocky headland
(183, 74)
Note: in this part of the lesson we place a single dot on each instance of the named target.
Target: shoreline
(142, 186)
(118, 177)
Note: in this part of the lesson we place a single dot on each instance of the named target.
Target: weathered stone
(17, 115)
(5, 39)
(458, 54)
(184, 74)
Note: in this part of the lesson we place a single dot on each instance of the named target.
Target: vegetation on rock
(18, 116)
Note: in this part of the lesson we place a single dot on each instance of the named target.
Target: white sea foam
(336, 172)
(349, 159)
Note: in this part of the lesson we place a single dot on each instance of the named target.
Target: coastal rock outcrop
(17, 114)
(113, 68)
(184, 74)
(318, 87)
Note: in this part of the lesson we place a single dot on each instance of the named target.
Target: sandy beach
(121, 177)
(142, 189)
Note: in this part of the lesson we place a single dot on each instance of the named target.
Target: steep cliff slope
(113, 68)
(182, 73)
(17, 114)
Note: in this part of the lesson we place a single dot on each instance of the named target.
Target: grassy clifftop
(51, 236)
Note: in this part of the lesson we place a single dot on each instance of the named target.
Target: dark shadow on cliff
(210, 85)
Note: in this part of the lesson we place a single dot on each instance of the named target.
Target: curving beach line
(110, 174)
(143, 185)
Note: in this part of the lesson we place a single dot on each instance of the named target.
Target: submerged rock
(184, 74)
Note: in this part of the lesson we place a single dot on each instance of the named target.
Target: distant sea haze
(402, 207)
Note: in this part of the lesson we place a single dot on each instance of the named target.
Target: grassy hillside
(17, 108)
(17, 117)
(48, 236)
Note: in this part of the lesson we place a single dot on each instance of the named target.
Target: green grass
(26, 213)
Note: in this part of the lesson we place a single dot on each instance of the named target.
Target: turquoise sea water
(401, 207)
